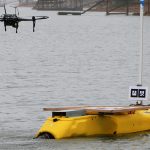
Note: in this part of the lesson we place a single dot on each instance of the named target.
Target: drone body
(14, 19)
(11, 20)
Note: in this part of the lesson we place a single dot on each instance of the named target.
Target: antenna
(5, 9)
(141, 43)
(16, 10)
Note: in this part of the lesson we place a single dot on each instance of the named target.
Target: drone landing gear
(5, 29)
(33, 18)
(5, 26)
(17, 25)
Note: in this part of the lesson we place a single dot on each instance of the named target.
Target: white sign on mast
(138, 93)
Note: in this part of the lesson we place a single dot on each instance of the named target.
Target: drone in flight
(14, 19)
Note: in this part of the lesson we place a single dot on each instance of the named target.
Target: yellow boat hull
(95, 125)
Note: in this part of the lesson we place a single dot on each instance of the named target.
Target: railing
(110, 6)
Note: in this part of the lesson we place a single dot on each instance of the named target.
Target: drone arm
(23, 19)
(33, 18)
(41, 17)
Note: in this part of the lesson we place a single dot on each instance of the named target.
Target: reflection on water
(69, 60)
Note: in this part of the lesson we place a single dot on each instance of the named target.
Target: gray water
(70, 60)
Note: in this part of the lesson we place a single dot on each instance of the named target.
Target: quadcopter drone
(14, 19)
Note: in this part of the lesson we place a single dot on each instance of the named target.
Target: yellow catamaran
(94, 121)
